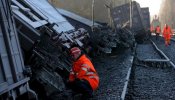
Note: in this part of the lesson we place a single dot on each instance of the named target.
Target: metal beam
(156, 60)
(127, 80)
(15, 85)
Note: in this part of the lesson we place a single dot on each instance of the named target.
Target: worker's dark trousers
(81, 86)
(157, 35)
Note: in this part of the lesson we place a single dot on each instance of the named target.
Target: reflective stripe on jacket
(84, 69)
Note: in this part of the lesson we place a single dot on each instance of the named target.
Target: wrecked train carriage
(121, 17)
(13, 72)
(146, 17)
(103, 38)
(45, 38)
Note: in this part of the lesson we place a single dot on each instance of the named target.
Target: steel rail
(166, 59)
(163, 54)
(123, 95)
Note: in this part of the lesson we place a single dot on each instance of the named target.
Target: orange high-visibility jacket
(167, 32)
(152, 29)
(83, 69)
(158, 29)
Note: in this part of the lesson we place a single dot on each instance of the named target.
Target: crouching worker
(83, 77)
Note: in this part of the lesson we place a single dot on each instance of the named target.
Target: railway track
(152, 74)
(169, 50)
(113, 71)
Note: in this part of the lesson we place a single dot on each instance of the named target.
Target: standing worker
(167, 34)
(158, 31)
(152, 29)
(83, 77)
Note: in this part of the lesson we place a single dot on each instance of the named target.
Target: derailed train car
(13, 73)
(46, 38)
(146, 17)
(103, 38)
(97, 41)
(121, 17)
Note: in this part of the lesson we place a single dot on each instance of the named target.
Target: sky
(154, 5)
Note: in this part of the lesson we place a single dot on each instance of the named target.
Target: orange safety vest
(152, 29)
(167, 32)
(84, 69)
(158, 30)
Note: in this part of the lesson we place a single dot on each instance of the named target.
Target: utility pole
(113, 2)
(109, 7)
(93, 3)
(130, 13)
(109, 14)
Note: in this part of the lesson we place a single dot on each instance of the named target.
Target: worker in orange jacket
(167, 34)
(158, 31)
(83, 77)
(152, 29)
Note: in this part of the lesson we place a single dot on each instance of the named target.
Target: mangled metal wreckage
(103, 37)
(140, 17)
(46, 37)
